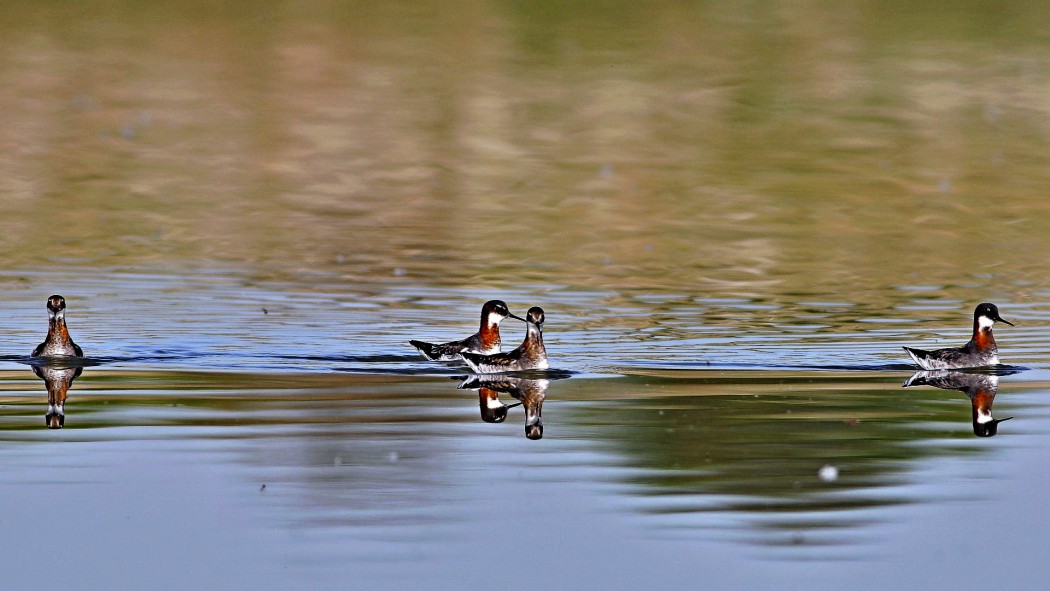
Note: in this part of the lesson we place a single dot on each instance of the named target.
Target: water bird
(980, 388)
(979, 352)
(485, 341)
(531, 354)
(58, 342)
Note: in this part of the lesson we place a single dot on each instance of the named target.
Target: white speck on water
(828, 473)
(337, 461)
(393, 456)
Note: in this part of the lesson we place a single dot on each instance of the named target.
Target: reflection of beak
(55, 420)
(998, 319)
(510, 406)
(989, 429)
(534, 430)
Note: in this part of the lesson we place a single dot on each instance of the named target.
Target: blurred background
(748, 149)
(726, 209)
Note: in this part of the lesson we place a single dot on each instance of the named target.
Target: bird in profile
(979, 352)
(485, 341)
(531, 354)
(58, 342)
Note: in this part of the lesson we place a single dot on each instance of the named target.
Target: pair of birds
(481, 351)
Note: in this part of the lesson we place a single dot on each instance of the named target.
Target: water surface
(733, 217)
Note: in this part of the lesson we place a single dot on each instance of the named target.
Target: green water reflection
(749, 442)
(765, 445)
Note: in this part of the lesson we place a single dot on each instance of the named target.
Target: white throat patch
(984, 322)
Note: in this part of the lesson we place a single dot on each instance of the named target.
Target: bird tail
(918, 355)
(428, 350)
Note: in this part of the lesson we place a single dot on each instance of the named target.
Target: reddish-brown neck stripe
(489, 335)
(983, 339)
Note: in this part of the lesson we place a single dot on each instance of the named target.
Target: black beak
(998, 319)
(509, 315)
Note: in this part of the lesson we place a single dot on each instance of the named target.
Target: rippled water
(733, 217)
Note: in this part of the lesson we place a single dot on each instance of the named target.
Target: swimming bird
(58, 343)
(531, 354)
(979, 352)
(485, 341)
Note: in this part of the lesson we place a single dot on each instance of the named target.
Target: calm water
(733, 216)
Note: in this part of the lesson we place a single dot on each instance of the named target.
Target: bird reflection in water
(980, 388)
(528, 393)
(58, 376)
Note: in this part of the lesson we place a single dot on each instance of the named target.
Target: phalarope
(979, 388)
(979, 352)
(485, 341)
(529, 355)
(58, 343)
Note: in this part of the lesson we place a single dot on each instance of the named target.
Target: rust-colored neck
(489, 334)
(982, 337)
(533, 339)
(57, 331)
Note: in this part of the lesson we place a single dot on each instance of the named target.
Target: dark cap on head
(990, 311)
(56, 303)
(496, 307)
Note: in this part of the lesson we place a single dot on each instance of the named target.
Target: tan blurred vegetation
(723, 147)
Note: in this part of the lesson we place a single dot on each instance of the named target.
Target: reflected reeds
(798, 463)
(382, 452)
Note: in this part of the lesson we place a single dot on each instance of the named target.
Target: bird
(485, 341)
(531, 354)
(980, 351)
(58, 342)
